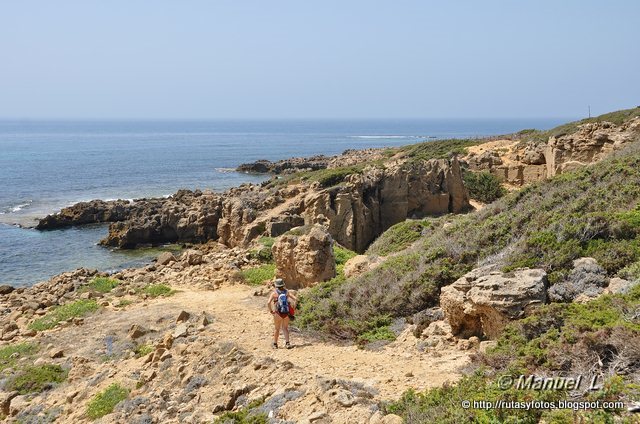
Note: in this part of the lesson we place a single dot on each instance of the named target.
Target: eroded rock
(483, 301)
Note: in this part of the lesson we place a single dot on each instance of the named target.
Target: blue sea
(45, 166)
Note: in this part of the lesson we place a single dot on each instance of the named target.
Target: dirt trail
(241, 317)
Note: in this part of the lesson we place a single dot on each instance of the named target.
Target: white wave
(225, 170)
(383, 136)
(21, 206)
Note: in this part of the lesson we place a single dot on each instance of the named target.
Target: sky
(344, 59)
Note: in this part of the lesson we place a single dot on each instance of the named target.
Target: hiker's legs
(277, 322)
(285, 329)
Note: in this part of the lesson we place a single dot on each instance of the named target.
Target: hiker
(280, 306)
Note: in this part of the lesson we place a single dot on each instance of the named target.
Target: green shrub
(54, 317)
(101, 284)
(35, 379)
(376, 334)
(104, 402)
(258, 275)
(157, 290)
(9, 354)
(342, 255)
(399, 237)
(247, 415)
(483, 186)
(263, 253)
(438, 149)
(630, 272)
(143, 350)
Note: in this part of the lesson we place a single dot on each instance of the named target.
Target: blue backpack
(282, 304)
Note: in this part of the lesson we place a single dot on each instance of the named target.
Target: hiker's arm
(269, 304)
(295, 299)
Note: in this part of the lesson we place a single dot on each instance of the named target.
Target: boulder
(165, 258)
(192, 257)
(483, 301)
(586, 281)
(6, 289)
(360, 264)
(304, 258)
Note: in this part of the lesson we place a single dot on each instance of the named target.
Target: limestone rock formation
(356, 212)
(305, 259)
(591, 143)
(483, 301)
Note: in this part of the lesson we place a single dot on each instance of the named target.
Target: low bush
(399, 237)
(104, 402)
(250, 414)
(35, 379)
(10, 354)
(483, 186)
(101, 284)
(258, 275)
(54, 317)
(157, 290)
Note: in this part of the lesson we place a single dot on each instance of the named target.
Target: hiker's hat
(279, 282)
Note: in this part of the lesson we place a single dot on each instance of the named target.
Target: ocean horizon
(46, 165)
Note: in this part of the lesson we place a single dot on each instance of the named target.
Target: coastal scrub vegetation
(400, 236)
(590, 212)
(263, 252)
(438, 149)
(601, 337)
(483, 186)
(35, 379)
(104, 402)
(258, 275)
(10, 354)
(250, 414)
(157, 290)
(101, 284)
(62, 313)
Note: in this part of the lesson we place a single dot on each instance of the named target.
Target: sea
(47, 165)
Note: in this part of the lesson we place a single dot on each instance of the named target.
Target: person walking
(280, 306)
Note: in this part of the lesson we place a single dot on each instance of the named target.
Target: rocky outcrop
(349, 157)
(356, 212)
(591, 143)
(360, 264)
(285, 166)
(187, 216)
(304, 257)
(518, 163)
(483, 301)
(94, 211)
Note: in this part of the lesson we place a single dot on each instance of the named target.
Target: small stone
(71, 396)
(136, 331)
(316, 416)
(183, 316)
(180, 331)
(56, 353)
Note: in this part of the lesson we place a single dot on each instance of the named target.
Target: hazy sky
(317, 59)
